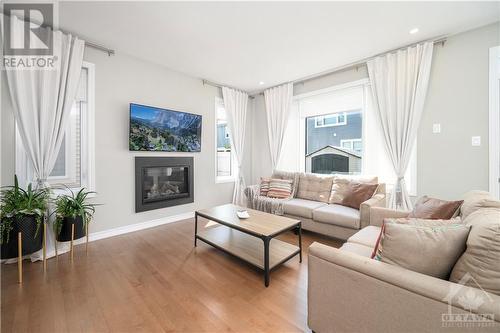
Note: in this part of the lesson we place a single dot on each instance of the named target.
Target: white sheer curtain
(278, 107)
(235, 103)
(42, 101)
(399, 86)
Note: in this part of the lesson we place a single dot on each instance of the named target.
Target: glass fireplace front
(164, 183)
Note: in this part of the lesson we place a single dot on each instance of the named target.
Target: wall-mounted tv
(156, 129)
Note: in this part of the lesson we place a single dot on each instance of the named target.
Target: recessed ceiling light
(413, 31)
(261, 82)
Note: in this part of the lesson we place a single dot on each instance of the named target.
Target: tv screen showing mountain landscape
(156, 129)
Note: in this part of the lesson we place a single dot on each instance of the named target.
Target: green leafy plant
(73, 205)
(16, 202)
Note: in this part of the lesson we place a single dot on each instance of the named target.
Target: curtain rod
(437, 40)
(217, 85)
(99, 47)
(93, 45)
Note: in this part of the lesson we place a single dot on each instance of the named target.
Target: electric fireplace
(163, 182)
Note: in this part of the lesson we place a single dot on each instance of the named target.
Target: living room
(250, 166)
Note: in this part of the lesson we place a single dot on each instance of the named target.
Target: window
(355, 145)
(336, 119)
(360, 149)
(74, 166)
(224, 159)
(333, 143)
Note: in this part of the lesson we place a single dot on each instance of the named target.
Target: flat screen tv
(156, 129)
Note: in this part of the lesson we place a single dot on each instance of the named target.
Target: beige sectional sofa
(349, 292)
(310, 203)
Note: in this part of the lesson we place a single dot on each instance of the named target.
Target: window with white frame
(355, 145)
(335, 119)
(74, 166)
(224, 158)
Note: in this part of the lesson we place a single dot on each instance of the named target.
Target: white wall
(119, 80)
(458, 99)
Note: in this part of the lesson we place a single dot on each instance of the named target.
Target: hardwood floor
(156, 281)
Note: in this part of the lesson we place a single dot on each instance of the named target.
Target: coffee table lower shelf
(248, 248)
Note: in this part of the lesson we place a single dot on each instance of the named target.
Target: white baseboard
(138, 226)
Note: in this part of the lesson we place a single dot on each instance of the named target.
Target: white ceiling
(242, 43)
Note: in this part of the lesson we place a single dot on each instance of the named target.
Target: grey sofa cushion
(315, 187)
(301, 207)
(367, 236)
(358, 249)
(338, 215)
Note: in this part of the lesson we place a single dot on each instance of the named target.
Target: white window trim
(334, 115)
(222, 179)
(24, 170)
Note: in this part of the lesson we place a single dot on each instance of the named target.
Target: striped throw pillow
(264, 186)
(280, 188)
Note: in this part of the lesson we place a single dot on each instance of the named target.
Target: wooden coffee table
(252, 239)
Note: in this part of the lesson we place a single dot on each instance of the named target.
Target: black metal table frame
(265, 238)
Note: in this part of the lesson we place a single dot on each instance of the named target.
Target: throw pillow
(475, 200)
(280, 188)
(430, 247)
(341, 188)
(431, 208)
(293, 176)
(314, 187)
(358, 193)
(479, 265)
(264, 186)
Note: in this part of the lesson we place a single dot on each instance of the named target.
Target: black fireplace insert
(163, 182)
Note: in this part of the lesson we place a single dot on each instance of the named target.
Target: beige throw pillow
(482, 257)
(430, 247)
(341, 186)
(314, 187)
(475, 200)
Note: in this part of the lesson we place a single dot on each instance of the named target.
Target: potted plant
(72, 209)
(21, 211)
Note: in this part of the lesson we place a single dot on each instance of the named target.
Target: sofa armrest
(377, 200)
(378, 214)
(393, 299)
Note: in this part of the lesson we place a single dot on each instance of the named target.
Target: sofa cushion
(337, 215)
(314, 187)
(301, 207)
(431, 208)
(475, 200)
(359, 249)
(481, 259)
(367, 236)
(341, 186)
(430, 247)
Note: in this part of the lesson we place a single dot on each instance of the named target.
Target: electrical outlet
(436, 128)
(476, 141)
